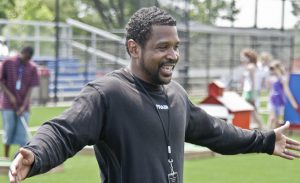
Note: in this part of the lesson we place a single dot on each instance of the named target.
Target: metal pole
(187, 45)
(282, 15)
(255, 14)
(86, 64)
(94, 45)
(208, 58)
(56, 50)
(209, 12)
(232, 40)
(232, 46)
(37, 41)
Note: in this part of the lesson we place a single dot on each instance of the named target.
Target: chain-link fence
(214, 53)
(209, 53)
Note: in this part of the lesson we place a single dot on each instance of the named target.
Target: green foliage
(231, 12)
(296, 8)
(44, 10)
(113, 14)
(5, 9)
(25, 10)
(108, 14)
(208, 11)
(33, 10)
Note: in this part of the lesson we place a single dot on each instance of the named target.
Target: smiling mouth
(167, 69)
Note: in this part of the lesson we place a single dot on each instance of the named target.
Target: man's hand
(21, 110)
(20, 166)
(12, 99)
(284, 145)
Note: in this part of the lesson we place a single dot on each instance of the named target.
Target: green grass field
(38, 115)
(223, 169)
(258, 168)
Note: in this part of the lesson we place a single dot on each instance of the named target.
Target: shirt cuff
(269, 142)
(35, 168)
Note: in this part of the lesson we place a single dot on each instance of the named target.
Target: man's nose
(173, 54)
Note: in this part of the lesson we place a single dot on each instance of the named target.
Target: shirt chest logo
(162, 107)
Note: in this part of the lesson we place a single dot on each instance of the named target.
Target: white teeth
(168, 67)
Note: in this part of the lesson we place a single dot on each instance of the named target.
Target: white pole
(25, 126)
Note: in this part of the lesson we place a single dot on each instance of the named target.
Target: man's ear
(133, 48)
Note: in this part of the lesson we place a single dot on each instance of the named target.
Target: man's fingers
(292, 141)
(15, 164)
(13, 169)
(293, 147)
(12, 179)
(287, 156)
(282, 128)
(291, 154)
(12, 174)
(27, 156)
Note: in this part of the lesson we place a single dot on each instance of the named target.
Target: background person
(138, 119)
(250, 82)
(263, 73)
(279, 89)
(18, 75)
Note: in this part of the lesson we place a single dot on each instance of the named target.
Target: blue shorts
(14, 131)
(278, 110)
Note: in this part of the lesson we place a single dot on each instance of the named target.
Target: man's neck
(130, 69)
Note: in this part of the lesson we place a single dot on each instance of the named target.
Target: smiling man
(138, 119)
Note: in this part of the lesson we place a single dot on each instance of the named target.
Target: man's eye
(176, 47)
(162, 47)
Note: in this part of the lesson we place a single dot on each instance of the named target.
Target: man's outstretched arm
(61, 137)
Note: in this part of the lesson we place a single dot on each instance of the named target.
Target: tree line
(113, 14)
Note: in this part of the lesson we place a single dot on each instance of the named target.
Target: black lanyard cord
(166, 133)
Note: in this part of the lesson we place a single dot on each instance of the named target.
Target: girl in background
(250, 85)
(278, 84)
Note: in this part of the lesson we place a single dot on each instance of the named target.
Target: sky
(269, 14)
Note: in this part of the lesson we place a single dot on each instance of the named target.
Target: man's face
(160, 55)
(25, 56)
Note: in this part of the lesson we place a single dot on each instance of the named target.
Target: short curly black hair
(28, 49)
(139, 26)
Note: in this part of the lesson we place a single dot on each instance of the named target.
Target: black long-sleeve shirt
(118, 117)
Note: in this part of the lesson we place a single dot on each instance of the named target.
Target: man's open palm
(284, 145)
